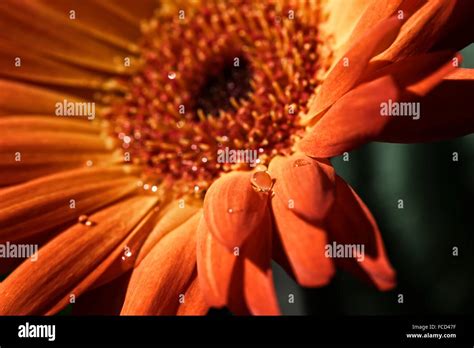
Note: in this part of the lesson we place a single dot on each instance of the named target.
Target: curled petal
(362, 16)
(193, 300)
(240, 279)
(347, 72)
(305, 184)
(233, 209)
(351, 223)
(352, 121)
(259, 290)
(303, 244)
(421, 31)
(215, 267)
(421, 73)
(163, 275)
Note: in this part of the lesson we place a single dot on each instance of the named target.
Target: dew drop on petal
(262, 181)
(126, 253)
(83, 218)
(301, 162)
(171, 75)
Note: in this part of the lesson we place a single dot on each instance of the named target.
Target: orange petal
(23, 20)
(215, 267)
(15, 98)
(258, 285)
(304, 246)
(96, 19)
(421, 30)
(345, 74)
(172, 216)
(304, 184)
(194, 302)
(352, 223)
(117, 263)
(446, 113)
(43, 70)
(39, 205)
(47, 123)
(233, 209)
(362, 18)
(354, 120)
(68, 258)
(240, 279)
(45, 141)
(404, 81)
(421, 73)
(162, 276)
(342, 17)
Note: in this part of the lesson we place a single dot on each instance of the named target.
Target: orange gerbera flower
(132, 205)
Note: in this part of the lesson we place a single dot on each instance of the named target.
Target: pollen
(220, 75)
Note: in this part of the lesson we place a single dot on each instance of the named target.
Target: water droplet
(194, 168)
(301, 162)
(204, 160)
(261, 150)
(196, 188)
(262, 181)
(126, 253)
(230, 210)
(146, 187)
(89, 163)
(154, 188)
(194, 147)
(171, 75)
(84, 220)
(127, 139)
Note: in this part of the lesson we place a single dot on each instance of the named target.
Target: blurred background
(438, 194)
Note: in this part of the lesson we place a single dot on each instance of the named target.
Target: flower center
(220, 89)
(232, 82)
